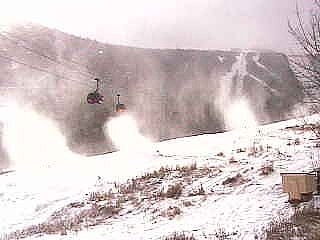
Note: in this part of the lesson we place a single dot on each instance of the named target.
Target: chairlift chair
(95, 97)
(120, 107)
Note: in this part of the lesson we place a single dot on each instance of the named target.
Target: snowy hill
(195, 185)
(162, 87)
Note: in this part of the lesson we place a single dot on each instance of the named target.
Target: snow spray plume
(32, 141)
(231, 101)
(124, 133)
(239, 115)
(135, 149)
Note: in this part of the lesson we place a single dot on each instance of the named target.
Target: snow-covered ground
(242, 207)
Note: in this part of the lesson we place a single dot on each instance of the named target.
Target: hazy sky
(200, 24)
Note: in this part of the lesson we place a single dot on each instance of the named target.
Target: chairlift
(95, 97)
(120, 107)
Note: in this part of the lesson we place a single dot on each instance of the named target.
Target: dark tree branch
(307, 67)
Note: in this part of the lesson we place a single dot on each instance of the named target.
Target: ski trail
(256, 59)
(238, 70)
(243, 72)
(264, 84)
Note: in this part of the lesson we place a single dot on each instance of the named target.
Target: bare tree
(307, 65)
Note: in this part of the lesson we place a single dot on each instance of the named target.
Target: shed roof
(297, 173)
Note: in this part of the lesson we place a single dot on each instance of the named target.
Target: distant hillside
(171, 93)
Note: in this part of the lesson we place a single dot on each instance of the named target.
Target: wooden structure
(300, 186)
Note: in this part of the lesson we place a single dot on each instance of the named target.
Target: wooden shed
(300, 186)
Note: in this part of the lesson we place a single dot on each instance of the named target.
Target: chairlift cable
(40, 69)
(88, 74)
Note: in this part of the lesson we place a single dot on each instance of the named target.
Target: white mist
(124, 133)
(31, 140)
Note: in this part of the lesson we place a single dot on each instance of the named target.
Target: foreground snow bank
(242, 206)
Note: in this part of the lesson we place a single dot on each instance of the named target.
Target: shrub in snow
(235, 180)
(297, 141)
(187, 203)
(222, 234)
(187, 168)
(171, 212)
(232, 160)
(303, 224)
(266, 169)
(240, 150)
(179, 236)
(199, 191)
(174, 191)
(99, 196)
(220, 154)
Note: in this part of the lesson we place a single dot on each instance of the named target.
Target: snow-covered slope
(163, 87)
(218, 178)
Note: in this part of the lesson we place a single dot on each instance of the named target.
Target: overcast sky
(199, 24)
